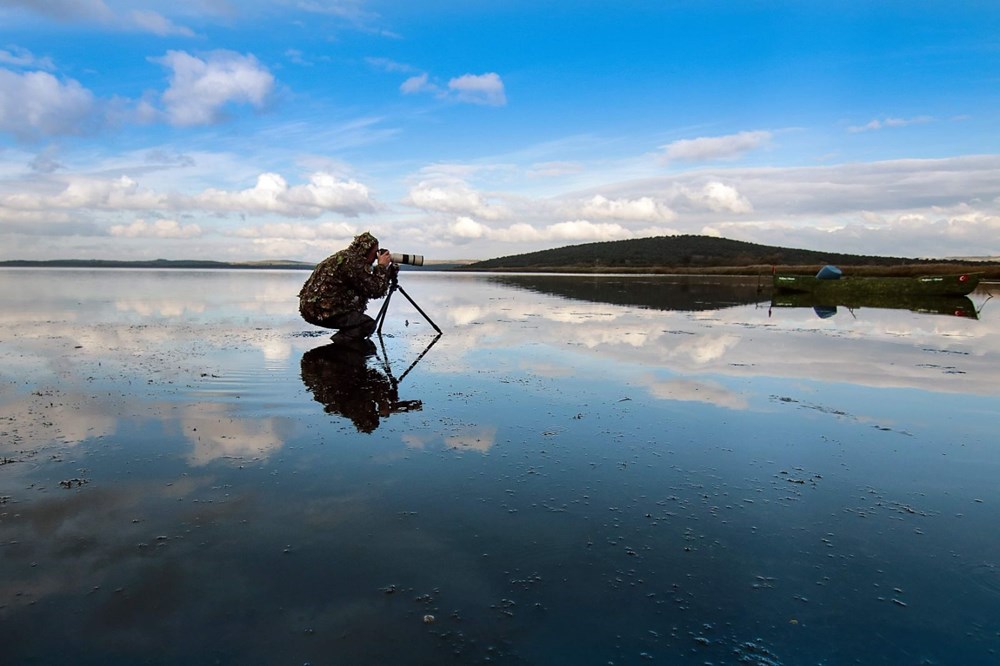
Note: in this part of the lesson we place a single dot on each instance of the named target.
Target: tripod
(393, 287)
(380, 319)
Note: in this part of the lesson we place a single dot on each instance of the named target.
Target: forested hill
(678, 253)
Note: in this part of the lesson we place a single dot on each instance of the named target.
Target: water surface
(578, 470)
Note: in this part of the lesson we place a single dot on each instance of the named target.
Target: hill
(702, 254)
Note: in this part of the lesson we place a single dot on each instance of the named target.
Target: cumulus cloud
(201, 88)
(37, 103)
(453, 195)
(642, 209)
(157, 229)
(715, 196)
(121, 193)
(728, 147)
(479, 89)
(80, 192)
(272, 194)
(484, 89)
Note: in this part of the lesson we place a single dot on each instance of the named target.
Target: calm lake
(579, 470)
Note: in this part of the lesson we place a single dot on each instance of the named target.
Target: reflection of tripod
(393, 286)
(380, 319)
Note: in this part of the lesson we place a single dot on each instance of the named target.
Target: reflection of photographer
(342, 381)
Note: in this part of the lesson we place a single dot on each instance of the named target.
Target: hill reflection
(673, 292)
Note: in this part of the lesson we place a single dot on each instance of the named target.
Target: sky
(243, 130)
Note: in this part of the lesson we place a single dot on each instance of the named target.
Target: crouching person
(337, 292)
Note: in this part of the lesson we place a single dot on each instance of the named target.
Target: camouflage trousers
(350, 324)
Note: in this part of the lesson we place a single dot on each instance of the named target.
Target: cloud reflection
(217, 434)
(108, 346)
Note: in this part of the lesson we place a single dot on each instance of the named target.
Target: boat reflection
(341, 378)
(953, 306)
(689, 293)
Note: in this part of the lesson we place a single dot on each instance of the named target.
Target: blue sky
(464, 129)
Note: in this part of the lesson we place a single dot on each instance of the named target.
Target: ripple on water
(986, 575)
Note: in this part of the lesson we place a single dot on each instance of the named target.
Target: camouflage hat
(365, 241)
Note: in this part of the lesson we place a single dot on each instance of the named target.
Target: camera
(411, 259)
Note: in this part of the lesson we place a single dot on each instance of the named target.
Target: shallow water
(579, 470)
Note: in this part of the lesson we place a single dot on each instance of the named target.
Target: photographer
(337, 292)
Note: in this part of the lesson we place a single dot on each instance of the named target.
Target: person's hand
(384, 258)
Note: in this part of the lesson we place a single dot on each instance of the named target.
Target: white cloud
(37, 103)
(584, 230)
(877, 124)
(452, 195)
(728, 147)
(417, 84)
(272, 194)
(717, 197)
(16, 56)
(466, 227)
(156, 23)
(641, 209)
(80, 192)
(201, 88)
(157, 229)
(485, 89)
(116, 194)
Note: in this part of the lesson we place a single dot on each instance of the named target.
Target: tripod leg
(380, 317)
(414, 304)
(417, 360)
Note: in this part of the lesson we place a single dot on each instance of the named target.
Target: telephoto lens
(411, 259)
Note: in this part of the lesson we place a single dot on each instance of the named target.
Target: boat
(860, 287)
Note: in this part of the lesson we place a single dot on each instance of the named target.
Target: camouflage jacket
(343, 282)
